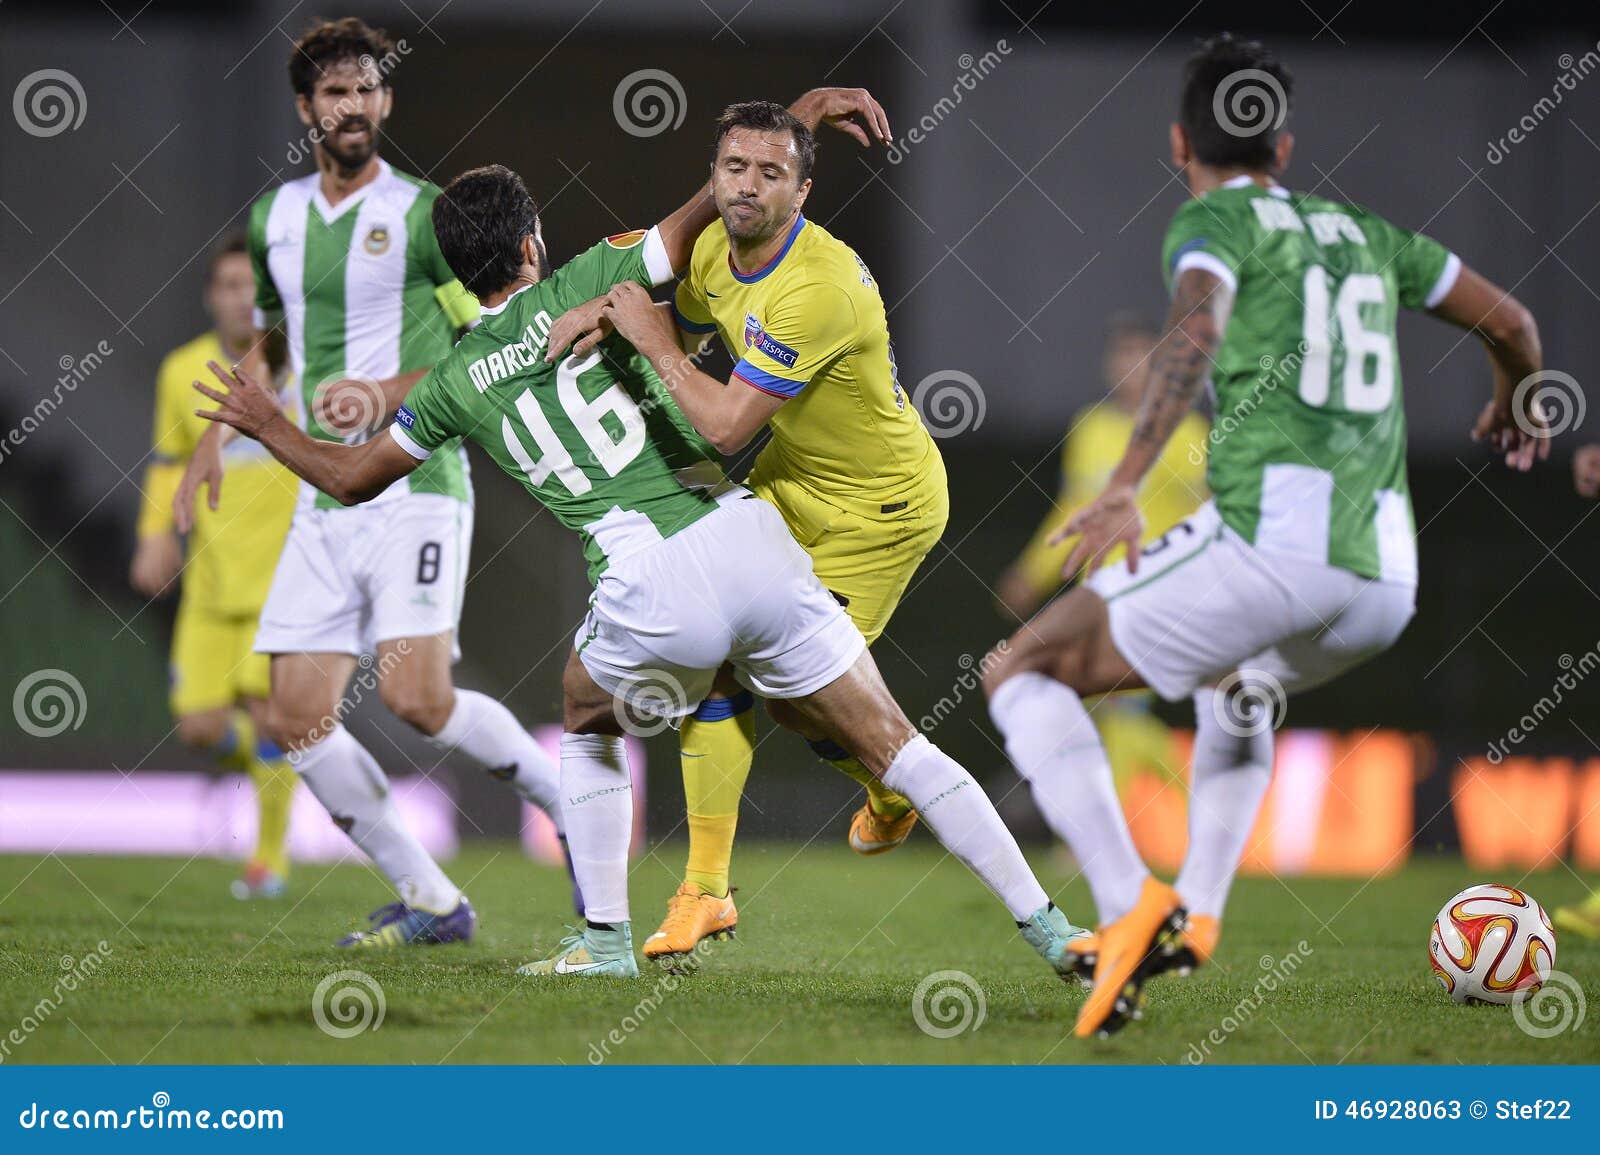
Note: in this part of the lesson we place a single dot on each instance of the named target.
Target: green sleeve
(1220, 240)
(267, 299)
(611, 262)
(1424, 270)
(430, 415)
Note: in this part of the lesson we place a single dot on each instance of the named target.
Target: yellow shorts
(865, 562)
(213, 661)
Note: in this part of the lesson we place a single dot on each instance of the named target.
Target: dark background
(1032, 211)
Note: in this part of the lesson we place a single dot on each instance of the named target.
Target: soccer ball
(1492, 944)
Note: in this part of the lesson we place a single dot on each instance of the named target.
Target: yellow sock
(717, 744)
(884, 802)
(274, 782)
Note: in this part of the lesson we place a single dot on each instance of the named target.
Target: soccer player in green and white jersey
(691, 571)
(1305, 562)
(346, 262)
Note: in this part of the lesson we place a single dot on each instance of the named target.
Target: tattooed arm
(1179, 365)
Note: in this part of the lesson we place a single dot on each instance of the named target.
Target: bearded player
(850, 465)
(1304, 563)
(219, 685)
(346, 260)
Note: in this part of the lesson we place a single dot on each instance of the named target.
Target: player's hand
(157, 561)
(846, 109)
(632, 312)
(246, 406)
(353, 405)
(581, 328)
(1522, 436)
(204, 469)
(1586, 471)
(1109, 520)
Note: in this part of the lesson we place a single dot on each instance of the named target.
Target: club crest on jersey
(377, 242)
(758, 338)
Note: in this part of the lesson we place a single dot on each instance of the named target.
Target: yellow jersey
(1170, 492)
(810, 326)
(232, 552)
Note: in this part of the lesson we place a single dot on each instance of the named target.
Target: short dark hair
(332, 42)
(765, 116)
(480, 219)
(233, 241)
(1236, 99)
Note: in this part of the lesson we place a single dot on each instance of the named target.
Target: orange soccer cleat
(1128, 951)
(692, 916)
(872, 833)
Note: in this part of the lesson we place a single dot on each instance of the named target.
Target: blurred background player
(219, 684)
(347, 261)
(1134, 737)
(1584, 918)
(1304, 563)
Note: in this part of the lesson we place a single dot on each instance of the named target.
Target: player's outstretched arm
(1201, 304)
(727, 416)
(1511, 424)
(350, 474)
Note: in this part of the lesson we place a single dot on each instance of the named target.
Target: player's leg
(342, 775)
(417, 574)
(266, 874)
(597, 791)
(212, 667)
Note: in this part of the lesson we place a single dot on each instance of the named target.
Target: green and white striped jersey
(1308, 444)
(598, 440)
(363, 291)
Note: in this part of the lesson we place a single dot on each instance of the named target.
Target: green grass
(831, 948)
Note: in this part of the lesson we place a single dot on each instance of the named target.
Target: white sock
(1230, 777)
(352, 788)
(1053, 743)
(961, 816)
(597, 796)
(489, 734)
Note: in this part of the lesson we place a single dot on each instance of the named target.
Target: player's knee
(203, 731)
(425, 708)
(291, 726)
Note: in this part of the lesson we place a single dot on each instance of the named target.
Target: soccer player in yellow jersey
(850, 465)
(1172, 490)
(219, 687)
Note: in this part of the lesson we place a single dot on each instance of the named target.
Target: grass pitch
(831, 950)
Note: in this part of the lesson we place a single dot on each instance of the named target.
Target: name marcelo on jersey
(518, 355)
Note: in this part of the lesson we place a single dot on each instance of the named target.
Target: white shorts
(733, 587)
(1206, 603)
(350, 578)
